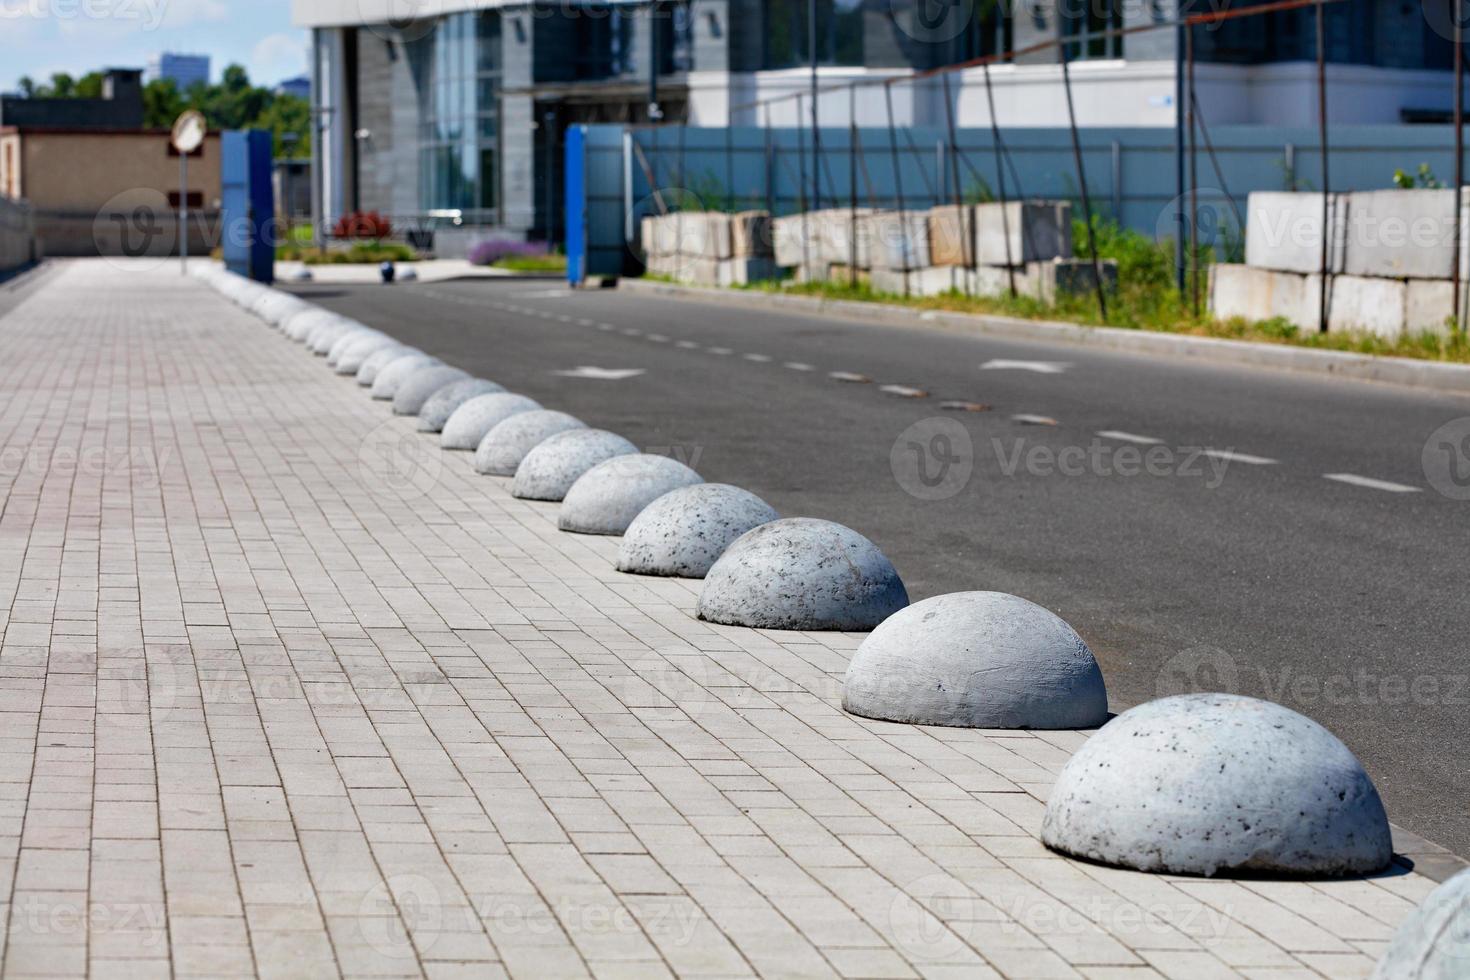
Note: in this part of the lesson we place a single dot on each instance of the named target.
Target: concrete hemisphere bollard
(467, 426)
(380, 359)
(348, 341)
(386, 384)
(802, 574)
(504, 447)
(976, 660)
(549, 470)
(1433, 942)
(357, 352)
(320, 340)
(684, 532)
(420, 386)
(298, 326)
(442, 403)
(607, 498)
(1209, 783)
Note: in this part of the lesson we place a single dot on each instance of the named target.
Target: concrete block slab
(1284, 231)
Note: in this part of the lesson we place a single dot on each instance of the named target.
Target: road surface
(1203, 528)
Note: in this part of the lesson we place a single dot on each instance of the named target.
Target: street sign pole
(183, 214)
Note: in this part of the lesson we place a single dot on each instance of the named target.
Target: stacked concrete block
(1046, 281)
(994, 234)
(709, 247)
(893, 240)
(1390, 254)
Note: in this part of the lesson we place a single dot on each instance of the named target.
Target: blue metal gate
(248, 204)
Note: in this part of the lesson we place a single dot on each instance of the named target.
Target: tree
(27, 86)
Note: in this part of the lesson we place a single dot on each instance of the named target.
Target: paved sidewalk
(276, 704)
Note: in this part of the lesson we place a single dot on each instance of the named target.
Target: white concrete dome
(976, 660)
(802, 574)
(348, 341)
(469, 423)
(380, 359)
(684, 532)
(351, 359)
(302, 324)
(504, 447)
(421, 385)
(1433, 943)
(1209, 783)
(386, 384)
(549, 470)
(607, 498)
(442, 403)
(320, 340)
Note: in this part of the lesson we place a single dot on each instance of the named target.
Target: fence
(17, 235)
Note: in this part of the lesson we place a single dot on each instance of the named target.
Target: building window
(459, 118)
(839, 33)
(1085, 24)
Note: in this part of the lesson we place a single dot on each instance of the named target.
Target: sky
(41, 37)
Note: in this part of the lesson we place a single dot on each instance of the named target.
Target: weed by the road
(553, 262)
(1146, 299)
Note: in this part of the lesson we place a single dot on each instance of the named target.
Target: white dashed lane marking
(904, 391)
(1235, 457)
(722, 351)
(849, 376)
(1372, 484)
(757, 358)
(1129, 437)
(687, 344)
(1039, 367)
(1034, 419)
(798, 366)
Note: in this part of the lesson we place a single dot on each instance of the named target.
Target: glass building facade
(459, 82)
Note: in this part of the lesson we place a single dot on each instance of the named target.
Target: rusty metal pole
(1193, 172)
(1459, 40)
(1000, 183)
(967, 231)
(897, 183)
(1102, 301)
(1326, 184)
(852, 151)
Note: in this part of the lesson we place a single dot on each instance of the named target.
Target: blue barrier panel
(248, 204)
(576, 208)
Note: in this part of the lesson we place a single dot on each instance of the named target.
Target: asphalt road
(1249, 571)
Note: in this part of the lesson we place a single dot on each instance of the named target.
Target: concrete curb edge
(1429, 375)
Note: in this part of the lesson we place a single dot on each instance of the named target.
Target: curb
(1427, 375)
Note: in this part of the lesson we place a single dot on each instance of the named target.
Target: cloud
(278, 56)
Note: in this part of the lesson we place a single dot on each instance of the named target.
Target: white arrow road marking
(1040, 367)
(1034, 419)
(1370, 483)
(1235, 457)
(1129, 437)
(601, 374)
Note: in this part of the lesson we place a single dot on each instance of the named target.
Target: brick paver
(272, 704)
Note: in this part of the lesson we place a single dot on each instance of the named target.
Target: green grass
(358, 253)
(1146, 299)
(533, 263)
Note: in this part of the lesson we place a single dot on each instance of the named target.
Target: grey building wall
(388, 118)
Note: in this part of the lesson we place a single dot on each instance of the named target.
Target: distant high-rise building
(186, 70)
(300, 86)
